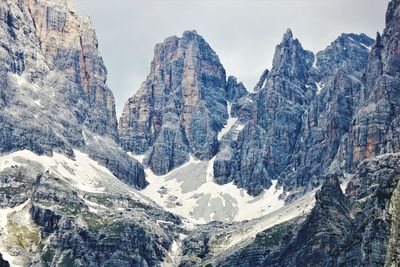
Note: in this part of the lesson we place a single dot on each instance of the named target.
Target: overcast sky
(243, 33)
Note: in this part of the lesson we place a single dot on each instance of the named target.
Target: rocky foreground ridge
(72, 195)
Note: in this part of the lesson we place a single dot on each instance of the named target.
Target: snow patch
(20, 81)
(191, 192)
(37, 102)
(320, 86)
(363, 45)
(83, 172)
(139, 158)
(229, 123)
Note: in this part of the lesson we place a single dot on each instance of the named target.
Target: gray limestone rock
(181, 106)
(54, 96)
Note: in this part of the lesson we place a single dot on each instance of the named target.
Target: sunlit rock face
(54, 95)
(181, 106)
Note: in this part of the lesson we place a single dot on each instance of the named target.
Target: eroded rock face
(393, 252)
(54, 95)
(340, 69)
(181, 106)
(270, 121)
(340, 230)
(234, 89)
(349, 231)
(60, 225)
(375, 129)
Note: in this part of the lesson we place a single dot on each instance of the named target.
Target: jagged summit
(181, 106)
(291, 60)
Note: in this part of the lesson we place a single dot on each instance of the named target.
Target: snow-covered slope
(189, 191)
(229, 123)
(85, 174)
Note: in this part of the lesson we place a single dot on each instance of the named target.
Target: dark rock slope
(3, 263)
(360, 229)
(375, 129)
(54, 96)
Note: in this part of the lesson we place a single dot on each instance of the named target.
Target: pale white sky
(243, 33)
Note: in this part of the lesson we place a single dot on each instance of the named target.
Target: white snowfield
(83, 173)
(229, 123)
(191, 192)
(188, 191)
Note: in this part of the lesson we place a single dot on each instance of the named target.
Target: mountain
(68, 192)
(303, 171)
(54, 95)
(340, 69)
(292, 127)
(180, 108)
(360, 227)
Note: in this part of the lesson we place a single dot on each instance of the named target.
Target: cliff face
(69, 45)
(269, 121)
(375, 129)
(54, 96)
(181, 106)
(340, 68)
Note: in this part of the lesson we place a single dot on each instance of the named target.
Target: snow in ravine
(229, 123)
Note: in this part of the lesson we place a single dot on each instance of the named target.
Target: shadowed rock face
(181, 106)
(271, 121)
(375, 129)
(340, 68)
(54, 95)
(3, 263)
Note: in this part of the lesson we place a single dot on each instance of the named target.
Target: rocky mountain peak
(234, 89)
(347, 53)
(54, 97)
(291, 60)
(261, 82)
(393, 16)
(183, 100)
(375, 126)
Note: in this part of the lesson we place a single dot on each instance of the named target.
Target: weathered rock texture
(393, 251)
(340, 69)
(340, 230)
(375, 129)
(181, 106)
(53, 92)
(60, 225)
(271, 121)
